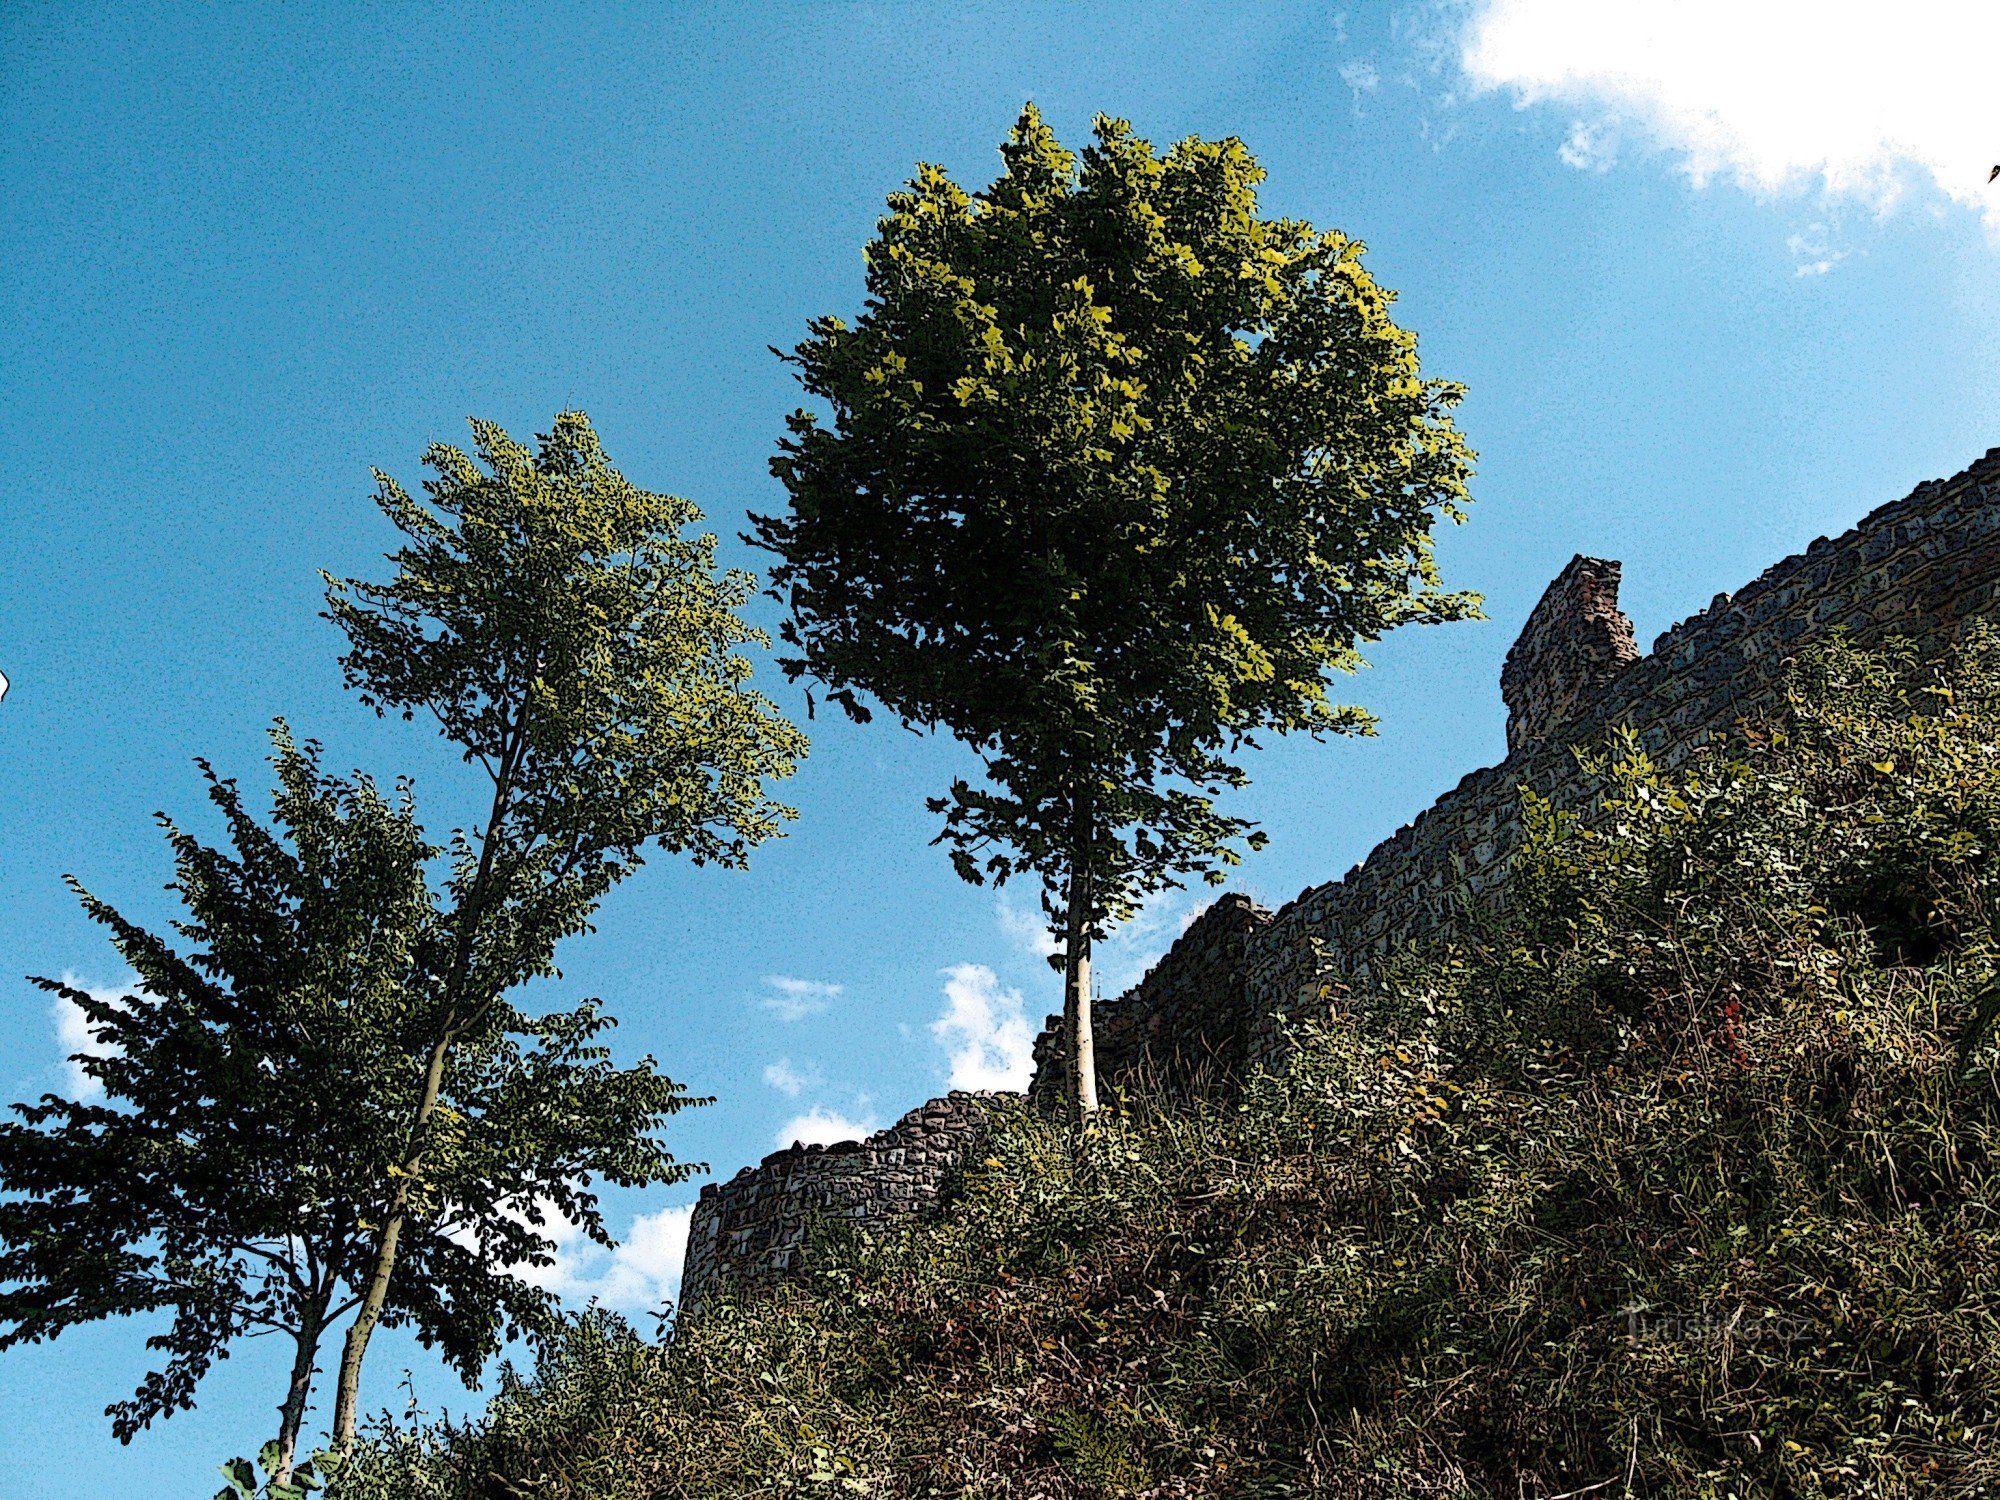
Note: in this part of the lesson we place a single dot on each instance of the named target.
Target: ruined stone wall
(750, 1230)
(1575, 641)
(1918, 567)
(1183, 1023)
(1217, 999)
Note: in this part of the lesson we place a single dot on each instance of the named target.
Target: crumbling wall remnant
(750, 1230)
(1181, 1025)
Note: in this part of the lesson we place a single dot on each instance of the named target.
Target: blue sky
(1719, 279)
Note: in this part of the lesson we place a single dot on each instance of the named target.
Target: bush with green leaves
(1678, 1176)
(282, 1479)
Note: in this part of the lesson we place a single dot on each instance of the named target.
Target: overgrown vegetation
(320, 1098)
(1679, 1178)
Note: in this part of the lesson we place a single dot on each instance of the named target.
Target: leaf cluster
(307, 1477)
(1114, 473)
(257, 1086)
(571, 639)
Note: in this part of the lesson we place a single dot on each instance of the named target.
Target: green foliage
(227, 1147)
(1680, 1177)
(325, 1103)
(257, 1090)
(569, 638)
(571, 641)
(1097, 1453)
(301, 1482)
(1117, 473)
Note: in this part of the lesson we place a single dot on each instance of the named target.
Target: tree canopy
(256, 1095)
(1114, 474)
(574, 642)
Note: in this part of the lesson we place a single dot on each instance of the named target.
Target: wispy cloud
(1815, 251)
(1776, 95)
(788, 1080)
(73, 1034)
(1360, 75)
(1027, 927)
(1592, 146)
(798, 998)
(1362, 79)
(643, 1272)
(820, 1126)
(1122, 959)
(984, 1031)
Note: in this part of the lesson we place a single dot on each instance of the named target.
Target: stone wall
(750, 1230)
(1183, 1023)
(1216, 1001)
(1918, 567)
(1575, 641)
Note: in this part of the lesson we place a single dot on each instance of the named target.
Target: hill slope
(1678, 1179)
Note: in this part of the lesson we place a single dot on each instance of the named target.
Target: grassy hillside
(1678, 1179)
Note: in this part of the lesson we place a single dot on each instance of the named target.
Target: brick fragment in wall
(1217, 1002)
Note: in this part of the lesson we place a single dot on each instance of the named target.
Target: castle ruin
(1216, 1003)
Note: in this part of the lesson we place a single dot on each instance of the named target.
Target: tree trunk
(1076, 997)
(347, 1394)
(292, 1411)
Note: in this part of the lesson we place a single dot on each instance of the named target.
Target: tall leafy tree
(584, 652)
(1114, 473)
(255, 1099)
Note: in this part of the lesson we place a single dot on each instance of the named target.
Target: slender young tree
(1114, 474)
(586, 655)
(254, 1106)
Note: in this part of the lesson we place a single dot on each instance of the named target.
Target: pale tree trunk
(1076, 997)
(292, 1413)
(347, 1393)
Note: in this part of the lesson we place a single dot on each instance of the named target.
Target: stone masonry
(1576, 640)
(1918, 567)
(750, 1230)
(1216, 1002)
(1182, 1024)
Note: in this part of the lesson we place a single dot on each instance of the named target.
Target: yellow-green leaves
(1118, 472)
(572, 638)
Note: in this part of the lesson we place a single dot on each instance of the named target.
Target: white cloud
(643, 1272)
(637, 1277)
(1592, 146)
(798, 998)
(1814, 248)
(786, 1079)
(1361, 76)
(1778, 94)
(984, 1030)
(73, 1034)
(820, 1126)
(1028, 929)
